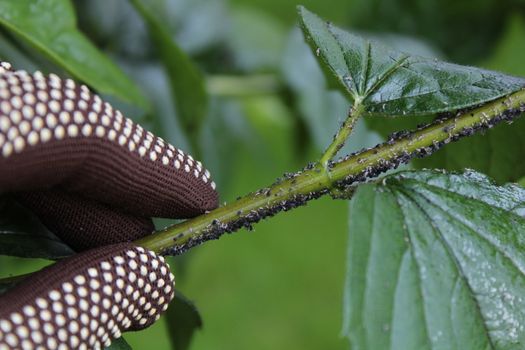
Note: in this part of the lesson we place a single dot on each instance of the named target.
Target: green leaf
(119, 344)
(386, 82)
(186, 79)
(50, 27)
(317, 106)
(500, 151)
(22, 235)
(436, 261)
(321, 108)
(183, 319)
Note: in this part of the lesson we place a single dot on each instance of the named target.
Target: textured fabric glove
(95, 179)
(86, 301)
(74, 160)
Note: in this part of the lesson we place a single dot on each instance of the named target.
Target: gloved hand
(95, 179)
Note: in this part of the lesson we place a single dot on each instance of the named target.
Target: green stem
(314, 181)
(342, 134)
(242, 86)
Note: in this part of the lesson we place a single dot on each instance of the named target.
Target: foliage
(435, 261)
(56, 36)
(239, 86)
(498, 153)
(387, 82)
(183, 320)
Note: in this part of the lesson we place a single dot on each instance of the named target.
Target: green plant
(435, 257)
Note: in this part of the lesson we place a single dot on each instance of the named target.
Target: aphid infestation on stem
(380, 82)
(97, 153)
(311, 182)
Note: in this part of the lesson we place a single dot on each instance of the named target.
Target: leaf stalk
(342, 134)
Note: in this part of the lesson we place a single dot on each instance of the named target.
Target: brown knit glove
(91, 175)
(95, 179)
(86, 301)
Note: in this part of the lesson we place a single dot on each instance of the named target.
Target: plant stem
(242, 86)
(317, 180)
(342, 134)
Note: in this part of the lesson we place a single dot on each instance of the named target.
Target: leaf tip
(303, 13)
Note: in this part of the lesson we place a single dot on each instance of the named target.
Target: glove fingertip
(183, 187)
(87, 300)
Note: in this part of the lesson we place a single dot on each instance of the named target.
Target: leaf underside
(436, 261)
(386, 82)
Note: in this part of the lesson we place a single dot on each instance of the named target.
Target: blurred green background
(280, 286)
